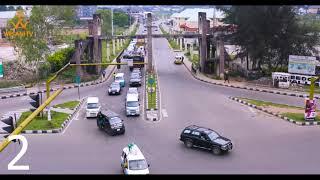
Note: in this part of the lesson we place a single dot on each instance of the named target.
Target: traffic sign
(1, 69)
(151, 81)
(78, 79)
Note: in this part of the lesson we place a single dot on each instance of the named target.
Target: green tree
(44, 23)
(269, 34)
(120, 19)
(106, 21)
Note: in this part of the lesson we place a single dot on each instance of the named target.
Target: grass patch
(8, 83)
(152, 96)
(39, 123)
(316, 89)
(173, 44)
(69, 104)
(298, 117)
(265, 103)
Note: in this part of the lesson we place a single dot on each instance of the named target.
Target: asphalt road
(262, 143)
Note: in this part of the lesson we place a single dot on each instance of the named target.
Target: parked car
(114, 88)
(110, 122)
(196, 136)
(133, 161)
(135, 80)
(134, 91)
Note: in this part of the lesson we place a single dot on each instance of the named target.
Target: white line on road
(254, 113)
(164, 113)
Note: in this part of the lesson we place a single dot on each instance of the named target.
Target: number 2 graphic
(24, 148)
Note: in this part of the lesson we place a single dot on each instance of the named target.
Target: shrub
(60, 58)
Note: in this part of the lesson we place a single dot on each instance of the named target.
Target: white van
(133, 161)
(120, 79)
(132, 105)
(93, 107)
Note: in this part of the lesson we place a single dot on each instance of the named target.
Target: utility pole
(149, 37)
(112, 21)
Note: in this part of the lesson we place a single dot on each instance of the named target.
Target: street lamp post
(112, 21)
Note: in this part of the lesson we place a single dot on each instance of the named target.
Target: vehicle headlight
(109, 90)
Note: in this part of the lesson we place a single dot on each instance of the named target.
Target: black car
(135, 80)
(110, 122)
(114, 88)
(205, 138)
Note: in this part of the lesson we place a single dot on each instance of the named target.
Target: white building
(187, 20)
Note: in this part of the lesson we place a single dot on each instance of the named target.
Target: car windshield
(131, 91)
(138, 164)
(92, 105)
(135, 77)
(119, 78)
(115, 120)
(114, 85)
(213, 135)
(132, 103)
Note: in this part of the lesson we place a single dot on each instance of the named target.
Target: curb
(63, 125)
(275, 114)
(251, 88)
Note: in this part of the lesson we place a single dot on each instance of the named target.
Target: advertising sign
(302, 64)
(1, 70)
(310, 110)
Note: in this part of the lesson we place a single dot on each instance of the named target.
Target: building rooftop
(192, 14)
(7, 14)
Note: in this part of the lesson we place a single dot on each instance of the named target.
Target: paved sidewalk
(244, 85)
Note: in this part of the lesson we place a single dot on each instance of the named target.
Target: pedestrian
(103, 73)
(226, 76)
(114, 76)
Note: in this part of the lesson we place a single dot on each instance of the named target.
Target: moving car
(93, 107)
(178, 59)
(110, 122)
(120, 79)
(132, 105)
(135, 80)
(205, 138)
(134, 91)
(114, 88)
(133, 161)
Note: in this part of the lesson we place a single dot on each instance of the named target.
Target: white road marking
(254, 113)
(164, 113)
(78, 113)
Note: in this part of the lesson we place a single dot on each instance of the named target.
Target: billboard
(310, 109)
(302, 65)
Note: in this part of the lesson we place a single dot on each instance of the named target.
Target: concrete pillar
(191, 50)
(177, 40)
(114, 47)
(181, 48)
(203, 30)
(121, 42)
(149, 43)
(221, 58)
(0, 34)
(108, 51)
(77, 56)
(118, 44)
